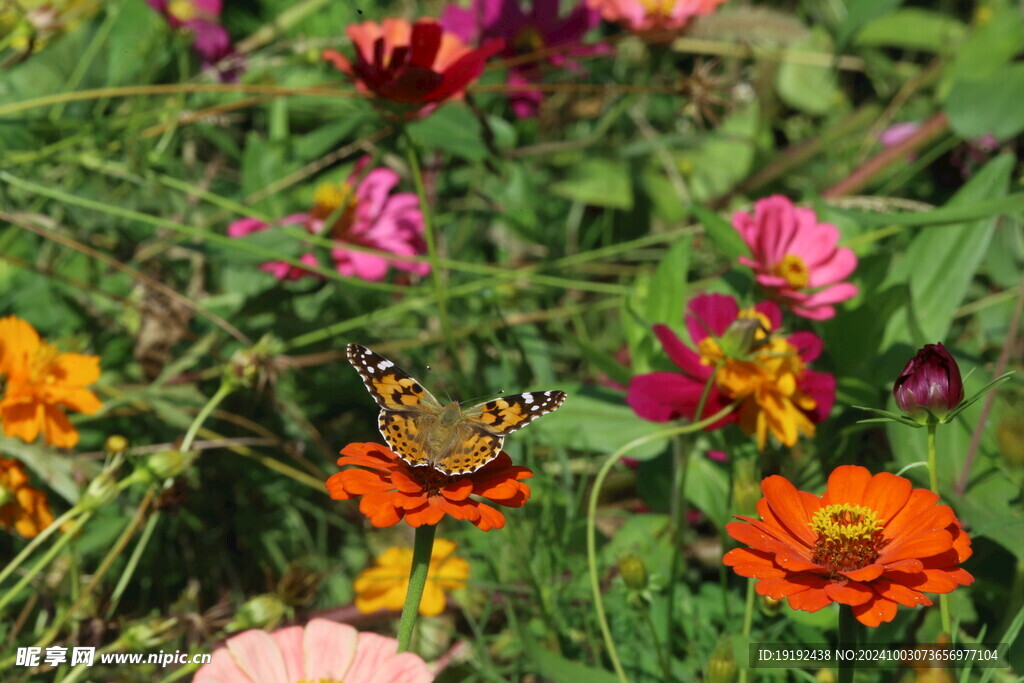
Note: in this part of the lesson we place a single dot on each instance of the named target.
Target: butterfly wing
(391, 387)
(407, 409)
(484, 427)
(504, 415)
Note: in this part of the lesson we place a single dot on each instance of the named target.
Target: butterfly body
(450, 438)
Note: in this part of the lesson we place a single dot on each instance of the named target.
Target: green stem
(423, 546)
(933, 472)
(662, 650)
(602, 474)
(211, 405)
(44, 561)
(436, 274)
(848, 632)
(37, 541)
(748, 622)
(133, 562)
(933, 478)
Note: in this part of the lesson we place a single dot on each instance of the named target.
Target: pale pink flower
(648, 15)
(366, 214)
(795, 258)
(320, 650)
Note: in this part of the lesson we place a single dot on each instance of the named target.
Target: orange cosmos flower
(384, 585)
(871, 542)
(22, 507)
(40, 381)
(392, 490)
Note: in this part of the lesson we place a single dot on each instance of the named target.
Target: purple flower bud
(930, 382)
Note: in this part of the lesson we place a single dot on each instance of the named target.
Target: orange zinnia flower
(22, 507)
(393, 490)
(871, 542)
(40, 381)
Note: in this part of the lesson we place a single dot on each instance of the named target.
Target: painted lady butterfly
(449, 438)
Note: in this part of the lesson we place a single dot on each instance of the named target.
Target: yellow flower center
(41, 368)
(662, 8)
(335, 200)
(849, 537)
(793, 269)
(762, 371)
(182, 10)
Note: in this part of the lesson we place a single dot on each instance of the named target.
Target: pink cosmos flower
(367, 214)
(209, 39)
(321, 650)
(648, 15)
(522, 33)
(795, 258)
(897, 133)
(764, 373)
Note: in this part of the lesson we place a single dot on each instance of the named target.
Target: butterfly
(449, 438)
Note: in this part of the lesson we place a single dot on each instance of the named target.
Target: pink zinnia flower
(321, 650)
(648, 15)
(416, 66)
(522, 33)
(367, 215)
(744, 362)
(210, 40)
(795, 258)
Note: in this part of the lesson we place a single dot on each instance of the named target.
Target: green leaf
(137, 40)
(598, 182)
(721, 232)
(913, 29)
(667, 293)
(723, 158)
(989, 47)
(598, 421)
(809, 87)
(860, 13)
(940, 263)
(453, 129)
(988, 106)
(556, 668)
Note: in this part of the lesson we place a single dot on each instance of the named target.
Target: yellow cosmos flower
(41, 382)
(22, 507)
(383, 586)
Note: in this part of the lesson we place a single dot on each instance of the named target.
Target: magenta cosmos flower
(795, 258)
(741, 360)
(202, 18)
(523, 33)
(648, 15)
(321, 650)
(367, 214)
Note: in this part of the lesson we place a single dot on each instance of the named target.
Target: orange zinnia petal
(78, 369)
(22, 420)
(850, 593)
(847, 484)
(810, 600)
(886, 494)
(875, 612)
(788, 507)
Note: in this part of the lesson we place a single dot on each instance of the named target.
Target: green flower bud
(634, 572)
(264, 611)
(721, 667)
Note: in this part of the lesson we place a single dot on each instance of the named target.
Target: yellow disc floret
(793, 270)
(849, 537)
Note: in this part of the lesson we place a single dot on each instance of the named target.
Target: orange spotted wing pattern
(452, 439)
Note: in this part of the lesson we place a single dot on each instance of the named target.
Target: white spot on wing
(528, 398)
(385, 364)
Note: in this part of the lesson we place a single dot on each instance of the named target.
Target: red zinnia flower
(391, 489)
(871, 542)
(417, 64)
